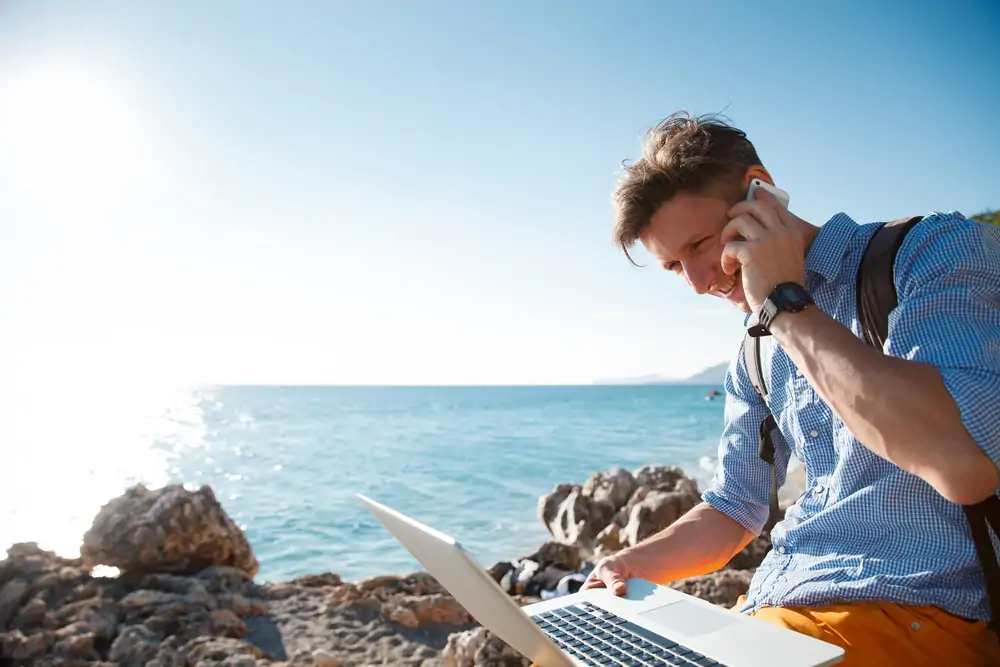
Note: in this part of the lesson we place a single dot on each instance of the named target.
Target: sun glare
(74, 137)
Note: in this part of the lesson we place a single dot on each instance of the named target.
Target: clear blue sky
(419, 192)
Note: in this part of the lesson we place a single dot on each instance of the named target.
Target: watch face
(792, 294)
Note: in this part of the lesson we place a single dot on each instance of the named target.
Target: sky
(419, 193)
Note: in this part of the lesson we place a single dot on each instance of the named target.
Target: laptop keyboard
(595, 636)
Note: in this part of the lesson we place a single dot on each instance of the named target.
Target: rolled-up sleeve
(947, 276)
(741, 486)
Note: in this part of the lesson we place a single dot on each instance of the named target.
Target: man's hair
(681, 153)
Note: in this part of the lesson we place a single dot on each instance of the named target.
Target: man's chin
(738, 299)
(743, 307)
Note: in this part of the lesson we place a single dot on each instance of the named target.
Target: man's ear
(756, 171)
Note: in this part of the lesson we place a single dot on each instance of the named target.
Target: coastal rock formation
(617, 508)
(480, 648)
(167, 530)
(202, 608)
(398, 620)
(54, 612)
(594, 518)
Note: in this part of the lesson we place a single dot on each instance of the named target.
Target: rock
(480, 648)
(556, 552)
(572, 517)
(655, 477)
(136, 645)
(98, 615)
(384, 581)
(78, 646)
(317, 580)
(722, 588)
(148, 600)
(11, 596)
(752, 555)
(72, 630)
(166, 530)
(227, 623)
(31, 615)
(613, 487)
(608, 541)
(236, 603)
(15, 645)
(400, 614)
(417, 611)
(321, 658)
(616, 508)
(658, 509)
(220, 652)
(220, 578)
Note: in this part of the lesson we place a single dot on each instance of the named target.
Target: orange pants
(884, 634)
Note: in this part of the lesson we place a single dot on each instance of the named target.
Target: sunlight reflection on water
(66, 451)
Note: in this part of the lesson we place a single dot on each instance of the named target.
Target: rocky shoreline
(184, 595)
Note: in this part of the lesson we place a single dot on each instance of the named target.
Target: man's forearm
(899, 409)
(701, 541)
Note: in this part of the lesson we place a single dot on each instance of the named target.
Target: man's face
(685, 237)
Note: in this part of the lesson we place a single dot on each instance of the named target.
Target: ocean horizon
(286, 461)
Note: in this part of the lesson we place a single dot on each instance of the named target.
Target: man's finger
(743, 228)
(734, 255)
(618, 585)
(593, 580)
(766, 213)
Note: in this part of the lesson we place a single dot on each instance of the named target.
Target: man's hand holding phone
(764, 241)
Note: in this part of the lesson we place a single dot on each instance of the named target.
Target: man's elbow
(970, 485)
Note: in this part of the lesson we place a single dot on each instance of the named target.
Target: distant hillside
(711, 375)
(641, 379)
(714, 375)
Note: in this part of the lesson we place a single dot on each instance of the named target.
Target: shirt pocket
(807, 425)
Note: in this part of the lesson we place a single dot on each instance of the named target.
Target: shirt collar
(826, 252)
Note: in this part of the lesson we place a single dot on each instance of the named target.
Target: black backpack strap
(876, 295)
(765, 448)
(981, 517)
(876, 288)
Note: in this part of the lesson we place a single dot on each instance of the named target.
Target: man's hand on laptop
(611, 572)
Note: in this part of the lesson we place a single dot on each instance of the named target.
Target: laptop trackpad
(690, 619)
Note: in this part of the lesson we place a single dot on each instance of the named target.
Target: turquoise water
(286, 463)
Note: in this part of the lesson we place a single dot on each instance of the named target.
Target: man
(876, 555)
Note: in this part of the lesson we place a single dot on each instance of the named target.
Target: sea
(286, 462)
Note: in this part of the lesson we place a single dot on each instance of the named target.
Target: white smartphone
(781, 195)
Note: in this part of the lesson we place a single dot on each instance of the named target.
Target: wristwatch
(784, 298)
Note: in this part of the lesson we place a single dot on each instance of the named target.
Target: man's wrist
(785, 321)
(785, 298)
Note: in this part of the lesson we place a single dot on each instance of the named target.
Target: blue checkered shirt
(864, 529)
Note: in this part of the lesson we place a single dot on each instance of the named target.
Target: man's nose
(701, 277)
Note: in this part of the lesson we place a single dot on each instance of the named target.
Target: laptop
(650, 625)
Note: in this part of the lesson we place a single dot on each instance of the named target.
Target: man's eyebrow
(691, 241)
(684, 248)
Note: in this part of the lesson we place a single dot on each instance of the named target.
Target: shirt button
(820, 488)
(915, 625)
(814, 433)
(781, 550)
